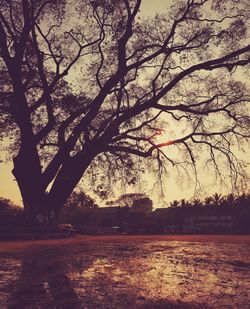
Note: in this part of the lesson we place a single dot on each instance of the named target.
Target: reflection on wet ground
(146, 274)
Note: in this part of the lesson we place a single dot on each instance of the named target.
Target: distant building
(209, 224)
(191, 220)
(161, 212)
(108, 211)
(143, 206)
(108, 216)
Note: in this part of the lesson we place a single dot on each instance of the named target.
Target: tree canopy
(90, 85)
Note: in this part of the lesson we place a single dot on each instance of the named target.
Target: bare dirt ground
(183, 271)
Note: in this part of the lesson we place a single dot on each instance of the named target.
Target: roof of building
(161, 210)
(108, 210)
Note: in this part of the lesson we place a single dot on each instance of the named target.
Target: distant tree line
(11, 215)
(216, 200)
(136, 209)
(78, 209)
(235, 206)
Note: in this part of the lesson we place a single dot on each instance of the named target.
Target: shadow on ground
(44, 282)
(126, 275)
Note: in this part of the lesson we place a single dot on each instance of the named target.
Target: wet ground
(126, 272)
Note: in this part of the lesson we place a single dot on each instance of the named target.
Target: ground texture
(126, 272)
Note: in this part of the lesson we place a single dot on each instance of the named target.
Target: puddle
(139, 275)
(10, 270)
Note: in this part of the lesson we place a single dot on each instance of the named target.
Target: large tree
(91, 83)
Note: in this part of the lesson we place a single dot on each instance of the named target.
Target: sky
(174, 186)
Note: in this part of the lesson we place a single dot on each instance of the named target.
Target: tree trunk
(36, 200)
(27, 167)
(28, 175)
(67, 179)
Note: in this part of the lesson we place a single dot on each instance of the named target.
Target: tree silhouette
(81, 199)
(208, 201)
(10, 214)
(127, 200)
(135, 79)
(175, 204)
(185, 204)
(229, 200)
(197, 203)
(216, 199)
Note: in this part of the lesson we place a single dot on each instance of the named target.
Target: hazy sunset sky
(174, 186)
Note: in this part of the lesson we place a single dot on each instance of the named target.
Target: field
(126, 272)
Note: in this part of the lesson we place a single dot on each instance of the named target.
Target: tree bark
(30, 185)
(27, 166)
